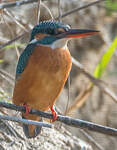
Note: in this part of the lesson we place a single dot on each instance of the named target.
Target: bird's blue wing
(24, 57)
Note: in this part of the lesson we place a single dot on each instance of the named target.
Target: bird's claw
(55, 116)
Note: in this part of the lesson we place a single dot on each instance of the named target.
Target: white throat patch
(62, 43)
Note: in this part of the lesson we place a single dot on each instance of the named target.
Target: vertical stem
(38, 11)
(59, 10)
(48, 9)
(68, 94)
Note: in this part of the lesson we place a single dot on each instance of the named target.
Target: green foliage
(111, 6)
(101, 67)
(4, 96)
(1, 60)
(13, 46)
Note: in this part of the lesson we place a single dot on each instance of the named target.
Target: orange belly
(43, 78)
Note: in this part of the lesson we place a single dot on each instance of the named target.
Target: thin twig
(49, 11)
(64, 119)
(80, 99)
(7, 79)
(91, 139)
(13, 40)
(7, 74)
(79, 8)
(97, 82)
(5, 12)
(16, 119)
(16, 3)
(6, 136)
(12, 130)
(14, 19)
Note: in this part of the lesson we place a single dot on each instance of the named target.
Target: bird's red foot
(27, 108)
(55, 116)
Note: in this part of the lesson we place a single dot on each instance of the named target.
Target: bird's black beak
(77, 33)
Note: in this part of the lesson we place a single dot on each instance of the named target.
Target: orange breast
(43, 79)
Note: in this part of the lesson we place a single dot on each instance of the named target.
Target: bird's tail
(31, 131)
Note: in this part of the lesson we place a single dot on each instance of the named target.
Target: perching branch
(66, 120)
(16, 119)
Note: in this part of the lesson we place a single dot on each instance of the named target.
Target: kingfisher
(43, 68)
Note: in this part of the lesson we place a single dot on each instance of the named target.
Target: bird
(43, 68)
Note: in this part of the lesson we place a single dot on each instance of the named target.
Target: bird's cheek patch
(40, 36)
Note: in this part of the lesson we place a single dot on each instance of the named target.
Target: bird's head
(56, 34)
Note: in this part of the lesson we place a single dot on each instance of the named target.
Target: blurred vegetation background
(97, 54)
